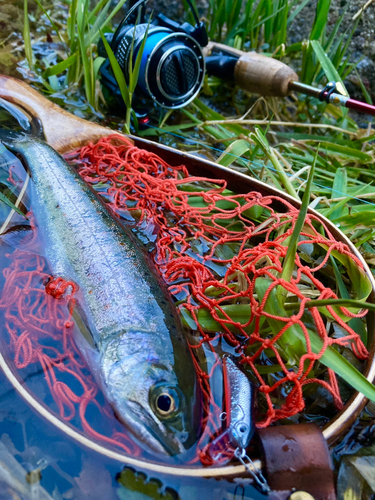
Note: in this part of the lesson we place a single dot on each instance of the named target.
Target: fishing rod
(266, 76)
(176, 57)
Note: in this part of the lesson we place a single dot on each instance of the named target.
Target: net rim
(330, 432)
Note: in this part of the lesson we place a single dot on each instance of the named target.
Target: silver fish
(141, 358)
(239, 404)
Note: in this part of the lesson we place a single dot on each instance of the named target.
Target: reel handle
(256, 73)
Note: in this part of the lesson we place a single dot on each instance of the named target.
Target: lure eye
(164, 401)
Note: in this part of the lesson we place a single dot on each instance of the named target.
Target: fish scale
(91, 253)
(141, 351)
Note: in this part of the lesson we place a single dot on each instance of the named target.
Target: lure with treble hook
(239, 418)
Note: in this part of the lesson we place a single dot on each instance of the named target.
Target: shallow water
(63, 469)
(38, 460)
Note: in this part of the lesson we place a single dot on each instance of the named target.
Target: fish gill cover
(221, 256)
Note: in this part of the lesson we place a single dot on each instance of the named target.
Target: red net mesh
(207, 259)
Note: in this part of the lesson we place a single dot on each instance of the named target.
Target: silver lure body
(239, 404)
(122, 303)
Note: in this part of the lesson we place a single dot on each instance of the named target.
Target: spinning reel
(176, 56)
(172, 65)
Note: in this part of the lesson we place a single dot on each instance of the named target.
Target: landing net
(211, 247)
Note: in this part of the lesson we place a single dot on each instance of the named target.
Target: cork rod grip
(257, 73)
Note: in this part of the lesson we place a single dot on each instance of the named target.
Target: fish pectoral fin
(81, 322)
(18, 236)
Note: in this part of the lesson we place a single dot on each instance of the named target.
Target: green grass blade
(363, 88)
(231, 154)
(328, 68)
(108, 19)
(289, 261)
(333, 35)
(97, 63)
(119, 75)
(137, 65)
(52, 22)
(261, 141)
(117, 71)
(100, 21)
(61, 66)
(26, 35)
(96, 9)
(72, 23)
(7, 201)
(86, 66)
(356, 304)
(320, 20)
(339, 187)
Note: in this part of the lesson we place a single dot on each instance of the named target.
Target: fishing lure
(239, 417)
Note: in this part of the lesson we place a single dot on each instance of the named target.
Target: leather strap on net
(297, 458)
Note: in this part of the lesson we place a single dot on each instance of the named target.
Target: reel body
(172, 66)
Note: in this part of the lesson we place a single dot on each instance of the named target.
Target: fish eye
(165, 404)
(165, 401)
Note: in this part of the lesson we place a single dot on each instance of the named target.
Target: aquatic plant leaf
(358, 305)
(187, 319)
(330, 358)
(356, 478)
(239, 313)
(355, 323)
(290, 341)
(360, 283)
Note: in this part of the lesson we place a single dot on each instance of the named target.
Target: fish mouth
(147, 429)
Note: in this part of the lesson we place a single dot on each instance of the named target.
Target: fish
(138, 352)
(240, 404)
